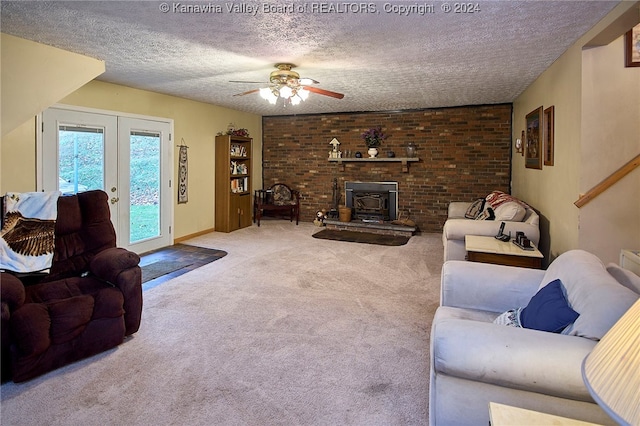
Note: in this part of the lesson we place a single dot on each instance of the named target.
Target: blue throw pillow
(548, 310)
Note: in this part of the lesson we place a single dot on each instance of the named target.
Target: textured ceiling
(381, 57)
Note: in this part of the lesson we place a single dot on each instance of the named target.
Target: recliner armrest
(120, 267)
(11, 291)
(487, 287)
(109, 263)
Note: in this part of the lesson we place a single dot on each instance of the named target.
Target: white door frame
(168, 153)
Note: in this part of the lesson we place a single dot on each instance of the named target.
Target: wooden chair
(278, 198)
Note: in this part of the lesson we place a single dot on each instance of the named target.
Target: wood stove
(372, 201)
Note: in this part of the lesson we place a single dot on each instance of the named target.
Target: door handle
(115, 200)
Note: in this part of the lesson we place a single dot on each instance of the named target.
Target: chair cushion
(281, 195)
(83, 228)
(69, 317)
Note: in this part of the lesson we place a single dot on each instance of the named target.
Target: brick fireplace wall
(464, 154)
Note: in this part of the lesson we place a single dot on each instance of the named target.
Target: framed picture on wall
(533, 147)
(632, 47)
(548, 136)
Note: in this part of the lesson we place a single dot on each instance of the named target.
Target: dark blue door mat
(163, 264)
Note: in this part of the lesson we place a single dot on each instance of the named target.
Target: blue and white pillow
(548, 310)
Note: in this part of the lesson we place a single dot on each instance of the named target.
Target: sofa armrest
(457, 209)
(511, 357)
(487, 287)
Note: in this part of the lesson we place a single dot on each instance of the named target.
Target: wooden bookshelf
(233, 182)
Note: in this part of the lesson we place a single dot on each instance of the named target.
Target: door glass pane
(144, 186)
(80, 159)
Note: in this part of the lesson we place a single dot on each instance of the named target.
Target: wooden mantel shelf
(404, 160)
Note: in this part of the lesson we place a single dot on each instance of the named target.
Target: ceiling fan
(288, 85)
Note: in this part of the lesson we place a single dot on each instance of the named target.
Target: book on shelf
(239, 185)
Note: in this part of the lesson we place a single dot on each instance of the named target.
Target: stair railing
(608, 182)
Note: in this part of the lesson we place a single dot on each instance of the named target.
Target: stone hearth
(385, 228)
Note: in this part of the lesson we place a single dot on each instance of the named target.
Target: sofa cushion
(497, 198)
(510, 211)
(506, 207)
(591, 291)
(548, 310)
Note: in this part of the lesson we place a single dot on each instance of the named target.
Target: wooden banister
(606, 183)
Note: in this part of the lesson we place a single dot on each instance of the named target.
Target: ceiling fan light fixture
(287, 84)
(303, 93)
(265, 93)
(285, 92)
(268, 94)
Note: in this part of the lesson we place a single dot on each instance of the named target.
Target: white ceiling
(379, 59)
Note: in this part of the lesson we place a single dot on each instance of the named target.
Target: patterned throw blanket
(27, 236)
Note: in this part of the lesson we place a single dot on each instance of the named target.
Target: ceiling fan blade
(324, 92)
(304, 81)
(247, 93)
(253, 82)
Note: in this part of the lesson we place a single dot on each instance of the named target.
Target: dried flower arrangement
(374, 137)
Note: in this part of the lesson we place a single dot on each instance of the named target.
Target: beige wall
(610, 138)
(195, 122)
(554, 189)
(35, 76)
(18, 159)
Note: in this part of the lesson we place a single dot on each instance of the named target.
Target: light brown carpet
(284, 330)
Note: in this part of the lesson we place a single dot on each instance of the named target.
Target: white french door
(128, 158)
(144, 180)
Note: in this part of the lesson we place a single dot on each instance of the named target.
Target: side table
(506, 415)
(491, 250)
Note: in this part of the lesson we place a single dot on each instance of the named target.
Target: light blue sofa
(474, 361)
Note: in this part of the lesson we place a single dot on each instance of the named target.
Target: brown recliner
(88, 302)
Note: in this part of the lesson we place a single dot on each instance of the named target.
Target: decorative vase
(358, 154)
(411, 150)
(373, 152)
(391, 154)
